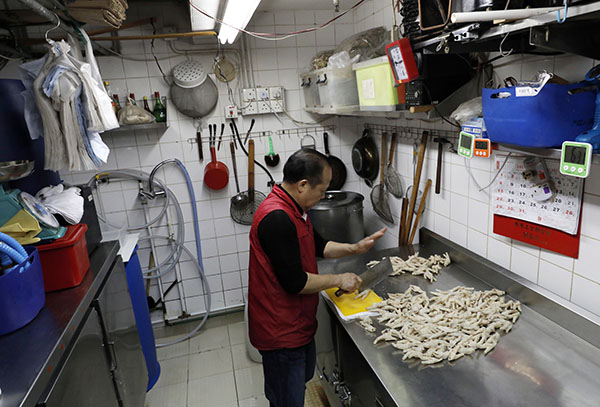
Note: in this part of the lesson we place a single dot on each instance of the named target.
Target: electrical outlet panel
(250, 108)
(263, 100)
(231, 112)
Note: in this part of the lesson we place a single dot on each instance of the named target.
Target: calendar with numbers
(512, 196)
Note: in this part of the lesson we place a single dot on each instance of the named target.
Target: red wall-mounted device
(402, 61)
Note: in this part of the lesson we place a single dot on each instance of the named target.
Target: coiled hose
(178, 243)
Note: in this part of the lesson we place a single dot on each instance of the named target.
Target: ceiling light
(199, 21)
(237, 14)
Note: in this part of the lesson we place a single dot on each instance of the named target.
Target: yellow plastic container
(375, 82)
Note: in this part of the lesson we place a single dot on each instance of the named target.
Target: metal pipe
(177, 268)
(154, 36)
(151, 194)
(47, 14)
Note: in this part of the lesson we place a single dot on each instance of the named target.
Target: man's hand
(365, 245)
(349, 282)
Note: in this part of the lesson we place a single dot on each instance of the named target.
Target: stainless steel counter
(550, 358)
(31, 354)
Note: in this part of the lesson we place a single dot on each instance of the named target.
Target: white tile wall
(461, 212)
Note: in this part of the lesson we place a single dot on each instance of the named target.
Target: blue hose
(13, 243)
(190, 186)
(5, 260)
(12, 253)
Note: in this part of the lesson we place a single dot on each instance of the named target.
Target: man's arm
(348, 282)
(334, 250)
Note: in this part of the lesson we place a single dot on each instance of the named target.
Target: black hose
(234, 129)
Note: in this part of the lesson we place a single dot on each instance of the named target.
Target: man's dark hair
(305, 164)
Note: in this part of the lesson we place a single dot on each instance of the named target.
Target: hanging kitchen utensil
(234, 128)
(249, 131)
(193, 92)
(245, 213)
(403, 215)
(438, 172)
(271, 159)
(419, 212)
(365, 158)
(216, 173)
(239, 201)
(221, 136)
(379, 196)
(393, 181)
(199, 142)
(417, 179)
(307, 141)
(338, 169)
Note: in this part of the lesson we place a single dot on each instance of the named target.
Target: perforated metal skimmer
(189, 74)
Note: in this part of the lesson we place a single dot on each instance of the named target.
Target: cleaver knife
(373, 276)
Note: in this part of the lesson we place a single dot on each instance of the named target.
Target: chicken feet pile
(446, 326)
(418, 266)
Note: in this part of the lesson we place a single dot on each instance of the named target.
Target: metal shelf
(578, 35)
(395, 114)
(551, 153)
(130, 127)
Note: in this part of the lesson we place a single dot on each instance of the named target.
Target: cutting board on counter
(349, 308)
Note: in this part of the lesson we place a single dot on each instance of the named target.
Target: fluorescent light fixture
(199, 21)
(237, 14)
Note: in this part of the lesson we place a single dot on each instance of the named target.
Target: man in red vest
(283, 277)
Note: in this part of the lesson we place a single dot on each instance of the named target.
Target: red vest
(277, 319)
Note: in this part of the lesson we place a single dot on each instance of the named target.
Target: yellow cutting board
(348, 305)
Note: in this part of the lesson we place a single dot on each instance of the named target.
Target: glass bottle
(132, 97)
(117, 103)
(146, 107)
(160, 111)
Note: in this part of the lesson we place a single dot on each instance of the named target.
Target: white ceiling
(272, 5)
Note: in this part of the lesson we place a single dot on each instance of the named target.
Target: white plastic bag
(342, 60)
(467, 110)
(132, 114)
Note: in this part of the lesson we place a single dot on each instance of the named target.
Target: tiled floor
(211, 369)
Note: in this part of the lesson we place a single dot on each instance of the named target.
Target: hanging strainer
(193, 91)
(379, 196)
(243, 211)
(393, 182)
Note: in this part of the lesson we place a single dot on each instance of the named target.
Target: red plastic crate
(65, 261)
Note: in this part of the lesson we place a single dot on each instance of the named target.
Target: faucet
(151, 194)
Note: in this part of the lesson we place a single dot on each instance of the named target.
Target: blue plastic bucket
(544, 120)
(137, 292)
(22, 293)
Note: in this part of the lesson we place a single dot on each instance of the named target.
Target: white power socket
(276, 106)
(262, 94)
(250, 108)
(248, 95)
(275, 92)
(264, 107)
(231, 112)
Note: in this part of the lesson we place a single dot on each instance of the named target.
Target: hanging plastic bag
(132, 114)
(342, 60)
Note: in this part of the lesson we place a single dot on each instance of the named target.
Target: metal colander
(193, 92)
(189, 74)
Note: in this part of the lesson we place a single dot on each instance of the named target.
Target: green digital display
(465, 144)
(576, 159)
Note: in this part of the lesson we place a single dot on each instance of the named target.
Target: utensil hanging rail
(411, 133)
(301, 131)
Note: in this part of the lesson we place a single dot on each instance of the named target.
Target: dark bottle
(117, 103)
(132, 97)
(160, 111)
(146, 107)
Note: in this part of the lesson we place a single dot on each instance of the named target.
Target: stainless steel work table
(29, 355)
(550, 358)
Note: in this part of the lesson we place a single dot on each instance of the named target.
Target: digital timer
(576, 159)
(482, 147)
(465, 144)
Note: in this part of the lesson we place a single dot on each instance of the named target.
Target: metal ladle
(240, 199)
